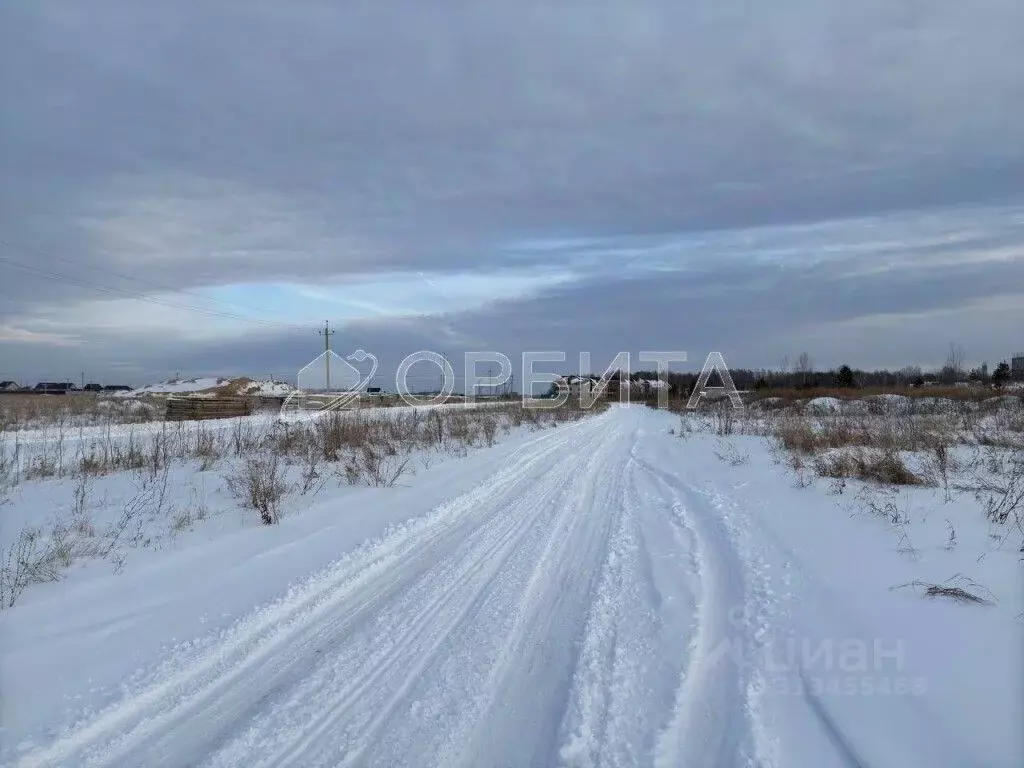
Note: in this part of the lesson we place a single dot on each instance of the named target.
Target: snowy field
(631, 588)
(78, 494)
(31, 412)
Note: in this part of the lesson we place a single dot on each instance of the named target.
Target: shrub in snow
(378, 467)
(29, 560)
(998, 485)
(260, 484)
(885, 467)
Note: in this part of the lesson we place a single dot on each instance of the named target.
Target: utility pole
(327, 333)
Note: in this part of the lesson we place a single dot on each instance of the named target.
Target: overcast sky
(194, 186)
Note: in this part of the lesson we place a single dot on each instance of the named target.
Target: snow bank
(269, 388)
(175, 386)
(825, 405)
(889, 399)
(213, 386)
(943, 405)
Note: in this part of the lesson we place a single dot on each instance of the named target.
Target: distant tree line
(801, 374)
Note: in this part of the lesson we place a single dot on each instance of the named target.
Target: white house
(643, 387)
(588, 385)
(578, 385)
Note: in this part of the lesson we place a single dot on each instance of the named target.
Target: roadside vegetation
(67, 495)
(26, 412)
(895, 457)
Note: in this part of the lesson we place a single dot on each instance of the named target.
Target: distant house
(92, 388)
(582, 386)
(117, 388)
(9, 386)
(1017, 368)
(588, 385)
(54, 387)
(644, 387)
(579, 385)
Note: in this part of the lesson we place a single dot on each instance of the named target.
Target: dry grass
(872, 465)
(33, 558)
(19, 412)
(260, 484)
(728, 452)
(996, 479)
(264, 462)
(810, 434)
(959, 589)
(873, 440)
(64, 452)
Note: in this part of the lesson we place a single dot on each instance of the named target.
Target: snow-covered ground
(100, 433)
(607, 592)
(268, 388)
(176, 386)
(208, 383)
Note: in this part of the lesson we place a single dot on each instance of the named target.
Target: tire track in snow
(710, 725)
(763, 616)
(587, 720)
(636, 631)
(482, 702)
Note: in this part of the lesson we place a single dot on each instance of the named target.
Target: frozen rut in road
(569, 610)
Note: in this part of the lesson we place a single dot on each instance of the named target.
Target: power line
(121, 275)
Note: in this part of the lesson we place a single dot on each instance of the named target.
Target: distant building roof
(1017, 367)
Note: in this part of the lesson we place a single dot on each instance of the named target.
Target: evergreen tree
(844, 378)
(1001, 375)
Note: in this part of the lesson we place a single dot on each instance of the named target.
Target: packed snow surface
(604, 593)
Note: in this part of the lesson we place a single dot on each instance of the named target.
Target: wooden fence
(200, 408)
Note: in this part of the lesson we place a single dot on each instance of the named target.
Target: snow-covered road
(594, 597)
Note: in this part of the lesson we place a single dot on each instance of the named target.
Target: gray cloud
(199, 144)
(883, 291)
